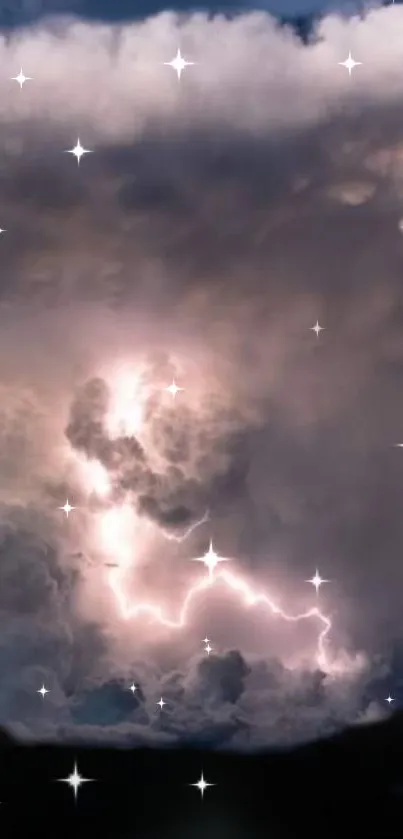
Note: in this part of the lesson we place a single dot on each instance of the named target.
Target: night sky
(215, 221)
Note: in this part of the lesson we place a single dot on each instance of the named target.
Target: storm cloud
(174, 496)
(214, 222)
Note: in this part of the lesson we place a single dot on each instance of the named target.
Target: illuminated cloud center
(122, 536)
(94, 476)
(117, 530)
(126, 415)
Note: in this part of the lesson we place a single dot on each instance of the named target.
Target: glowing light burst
(210, 560)
(74, 780)
(129, 398)
(173, 389)
(116, 532)
(94, 476)
(202, 785)
(67, 508)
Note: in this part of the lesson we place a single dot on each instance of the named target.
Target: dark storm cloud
(36, 601)
(226, 702)
(168, 497)
(223, 232)
(224, 678)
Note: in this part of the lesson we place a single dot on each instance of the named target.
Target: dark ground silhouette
(348, 785)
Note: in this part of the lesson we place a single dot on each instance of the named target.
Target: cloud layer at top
(215, 221)
(125, 91)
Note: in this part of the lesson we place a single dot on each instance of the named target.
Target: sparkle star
(389, 699)
(317, 328)
(202, 785)
(161, 703)
(75, 780)
(206, 640)
(43, 691)
(67, 508)
(317, 581)
(133, 689)
(178, 63)
(349, 63)
(210, 559)
(208, 649)
(173, 389)
(78, 151)
(21, 79)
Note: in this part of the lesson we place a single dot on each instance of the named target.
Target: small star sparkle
(206, 640)
(317, 581)
(133, 689)
(317, 328)
(75, 780)
(78, 151)
(201, 785)
(208, 649)
(178, 63)
(43, 691)
(21, 79)
(173, 389)
(211, 560)
(161, 703)
(349, 63)
(67, 508)
(389, 699)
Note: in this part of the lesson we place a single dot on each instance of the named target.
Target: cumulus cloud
(197, 456)
(203, 239)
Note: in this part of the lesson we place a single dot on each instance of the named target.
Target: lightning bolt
(127, 415)
(174, 537)
(249, 596)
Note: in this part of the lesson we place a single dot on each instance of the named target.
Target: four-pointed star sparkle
(43, 691)
(173, 389)
(161, 703)
(317, 581)
(208, 649)
(21, 79)
(178, 63)
(389, 699)
(317, 328)
(133, 689)
(67, 508)
(78, 150)
(201, 785)
(349, 63)
(75, 780)
(210, 559)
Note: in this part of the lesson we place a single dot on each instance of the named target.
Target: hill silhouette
(346, 785)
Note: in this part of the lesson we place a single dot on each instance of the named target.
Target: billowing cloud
(197, 456)
(201, 239)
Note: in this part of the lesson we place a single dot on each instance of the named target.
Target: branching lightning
(248, 595)
(181, 537)
(110, 534)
